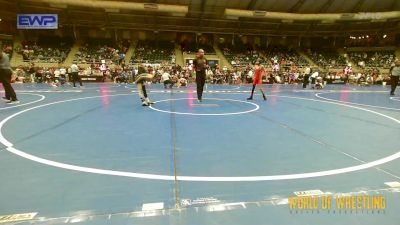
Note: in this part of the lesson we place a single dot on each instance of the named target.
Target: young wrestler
(143, 76)
(258, 72)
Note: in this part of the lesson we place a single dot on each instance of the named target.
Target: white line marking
(108, 91)
(153, 206)
(29, 103)
(352, 103)
(309, 193)
(17, 217)
(47, 91)
(127, 87)
(394, 184)
(225, 89)
(206, 114)
(359, 167)
(351, 91)
(395, 99)
(6, 143)
(205, 105)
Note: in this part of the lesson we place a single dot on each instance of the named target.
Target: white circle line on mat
(10, 148)
(42, 97)
(395, 98)
(206, 114)
(353, 103)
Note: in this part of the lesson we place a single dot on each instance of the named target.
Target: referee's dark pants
(200, 81)
(313, 81)
(5, 78)
(166, 82)
(305, 80)
(75, 78)
(394, 80)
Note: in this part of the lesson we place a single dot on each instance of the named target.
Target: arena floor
(94, 155)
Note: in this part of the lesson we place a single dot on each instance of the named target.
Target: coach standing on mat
(394, 76)
(200, 66)
(5, 78)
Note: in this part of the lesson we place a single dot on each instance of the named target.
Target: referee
(307, 72)
(200, 66)
(75, 75)
(5, 78)
(394, 76)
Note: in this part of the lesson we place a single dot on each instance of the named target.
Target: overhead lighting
(112, 10)
(384, 36)
(232, 17)
(60, 6)
(151, 6)
(178, 14)
(287, 21)
(259, 13)
(379, 20)
(327, 21)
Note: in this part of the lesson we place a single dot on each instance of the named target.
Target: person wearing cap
(200, 66)
(394, 76)
(5, 78)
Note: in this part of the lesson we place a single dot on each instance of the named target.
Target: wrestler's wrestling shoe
(145, 103)
(148, 101)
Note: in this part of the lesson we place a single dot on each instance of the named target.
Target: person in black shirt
(394, 76)
(200, 66)
(5, 78)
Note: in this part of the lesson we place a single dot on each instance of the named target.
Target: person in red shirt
(258, 73)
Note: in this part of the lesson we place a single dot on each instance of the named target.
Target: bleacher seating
(96, 50)
(283, 55)
(46, 49)
(373, 59)
(327, 58)
(192, 47)
(154, 52)
(240, 55)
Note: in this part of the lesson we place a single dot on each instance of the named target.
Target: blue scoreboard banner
(37, 21)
